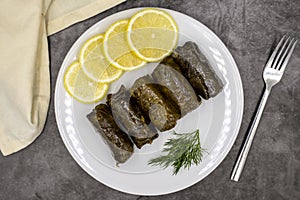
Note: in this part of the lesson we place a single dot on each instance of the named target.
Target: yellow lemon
(81, 87)
(116, 49)
(94, 63)
(152, 34)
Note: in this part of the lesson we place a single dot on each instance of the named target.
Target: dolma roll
(130, 118)
(161, 109)
(197, 70)
(118, 141)
(175, 82)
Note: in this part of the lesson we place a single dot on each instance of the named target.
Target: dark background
(249, 28)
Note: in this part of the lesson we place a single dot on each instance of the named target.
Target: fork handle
(241, 160)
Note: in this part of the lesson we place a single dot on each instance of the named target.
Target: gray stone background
(249, 28)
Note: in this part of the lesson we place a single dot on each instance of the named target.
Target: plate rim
(240, 93)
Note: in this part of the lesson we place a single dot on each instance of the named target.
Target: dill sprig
(182, 151)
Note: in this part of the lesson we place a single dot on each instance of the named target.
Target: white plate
(218, 119)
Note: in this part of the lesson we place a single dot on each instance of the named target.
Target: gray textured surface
(45, 170)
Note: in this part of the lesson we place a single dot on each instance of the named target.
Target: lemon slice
(94, 63)
(116, 49)
(152, 34)
(81, 87)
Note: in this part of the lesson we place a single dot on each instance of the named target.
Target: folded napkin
(24, 62)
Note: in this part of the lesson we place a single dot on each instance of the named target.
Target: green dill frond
(182, 151)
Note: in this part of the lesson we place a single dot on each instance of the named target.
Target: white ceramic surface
(218, 119)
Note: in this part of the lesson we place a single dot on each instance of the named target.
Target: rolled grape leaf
(118, 141)
(197, 70)
(130, 118)
(161, 109)
(175, 82)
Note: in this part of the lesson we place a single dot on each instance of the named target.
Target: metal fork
(272, 74)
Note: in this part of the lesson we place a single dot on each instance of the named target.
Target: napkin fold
(24, 62)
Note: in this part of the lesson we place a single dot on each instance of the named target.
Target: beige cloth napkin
(24, 62)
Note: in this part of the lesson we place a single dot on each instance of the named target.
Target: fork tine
(286, 60)
(271, 59)
(279, 56)
(283, 56)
